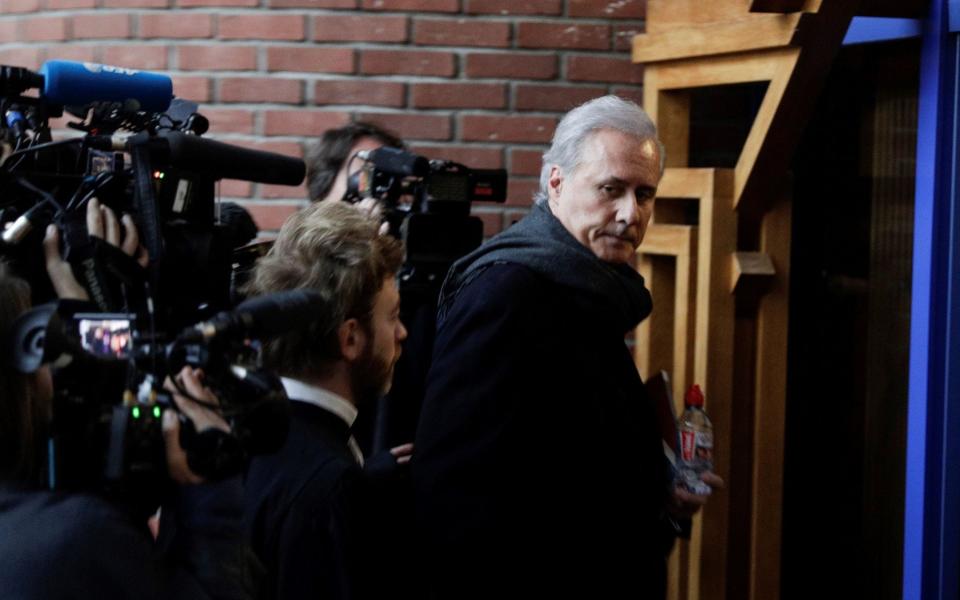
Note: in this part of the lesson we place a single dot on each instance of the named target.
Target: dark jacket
(538, 467)
(301, 510)
(69, 545)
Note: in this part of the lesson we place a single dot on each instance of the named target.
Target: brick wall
(482, 82)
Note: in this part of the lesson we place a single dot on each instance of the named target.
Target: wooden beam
(760, 31)
(770, 406)
(666, 15)
(750, 266)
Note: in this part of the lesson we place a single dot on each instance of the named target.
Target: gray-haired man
(539, 470)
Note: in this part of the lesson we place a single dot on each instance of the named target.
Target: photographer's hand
(102, 223)
(61, 275)
(203, 418)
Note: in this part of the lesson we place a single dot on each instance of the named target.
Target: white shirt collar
(299, 391)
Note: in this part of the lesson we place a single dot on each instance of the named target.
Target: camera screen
(106, 335)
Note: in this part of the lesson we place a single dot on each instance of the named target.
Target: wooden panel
(770, 403)
(664, 15)
(763, 31)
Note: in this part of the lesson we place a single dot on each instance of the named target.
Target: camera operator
(77, 544)
(307, 504)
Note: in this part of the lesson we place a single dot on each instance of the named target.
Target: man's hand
(403, 453)
(203, 418)
(101, 223)
(684, 504)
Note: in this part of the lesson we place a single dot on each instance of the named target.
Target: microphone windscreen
(72, 84)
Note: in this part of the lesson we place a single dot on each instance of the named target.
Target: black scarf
(541, 243)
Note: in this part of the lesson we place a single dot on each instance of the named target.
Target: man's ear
(555, 182)
(352, 339)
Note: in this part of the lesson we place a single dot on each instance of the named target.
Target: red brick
(634, 93)
(520, 191)
(461, 32)
(310, 59)
(139, 56)
(94, 26)
(475, 157)
(231, 188)
(514, 7)
(217, 57)
(458, 95)
(525, 162)
(415, 127)
(271, 216)
(450, 6)
(196, 89)
(623, 36)
(228, 120)
(261, 27)
(29, 57)
(492, 222)
(360, 28)
(261, 89)
(603, 68)
(312, 3)
(359, 91)
(609, 9)
(85, 53)
(302, 122)
(407, 62)
(193, 3)
(178, 24)
(535, 34)
(282, 191)
(490, 128)
(511, 65)
(554, 97)
(136, 3)
(66, 4)
(9, 29)
(18, 6)
(42, 29)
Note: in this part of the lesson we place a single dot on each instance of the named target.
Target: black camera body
(427, 204)
(155, 166)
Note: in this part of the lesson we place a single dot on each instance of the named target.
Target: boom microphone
(224, 161)
(260, 317)
(210, 158)
(74, 84)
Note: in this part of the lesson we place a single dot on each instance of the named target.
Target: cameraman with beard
(77, 544)
(306, 503)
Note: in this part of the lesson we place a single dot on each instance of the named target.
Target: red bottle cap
(695, 396)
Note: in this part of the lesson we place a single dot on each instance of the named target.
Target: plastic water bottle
(696, 443)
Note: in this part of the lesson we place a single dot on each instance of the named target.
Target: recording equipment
(143, 155)
(428, 206)
(75, 84)
(260, 317)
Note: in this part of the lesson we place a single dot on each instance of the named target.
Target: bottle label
(696, 446)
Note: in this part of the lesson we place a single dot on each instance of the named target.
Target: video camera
(434, 222)
(141, 154)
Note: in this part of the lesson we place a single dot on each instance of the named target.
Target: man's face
(350, 167)
(607, 201)
(372, 374)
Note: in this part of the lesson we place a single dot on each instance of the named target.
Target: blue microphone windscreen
(75, 84)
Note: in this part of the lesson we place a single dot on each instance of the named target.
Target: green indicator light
(136, 412)
(156, 412)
